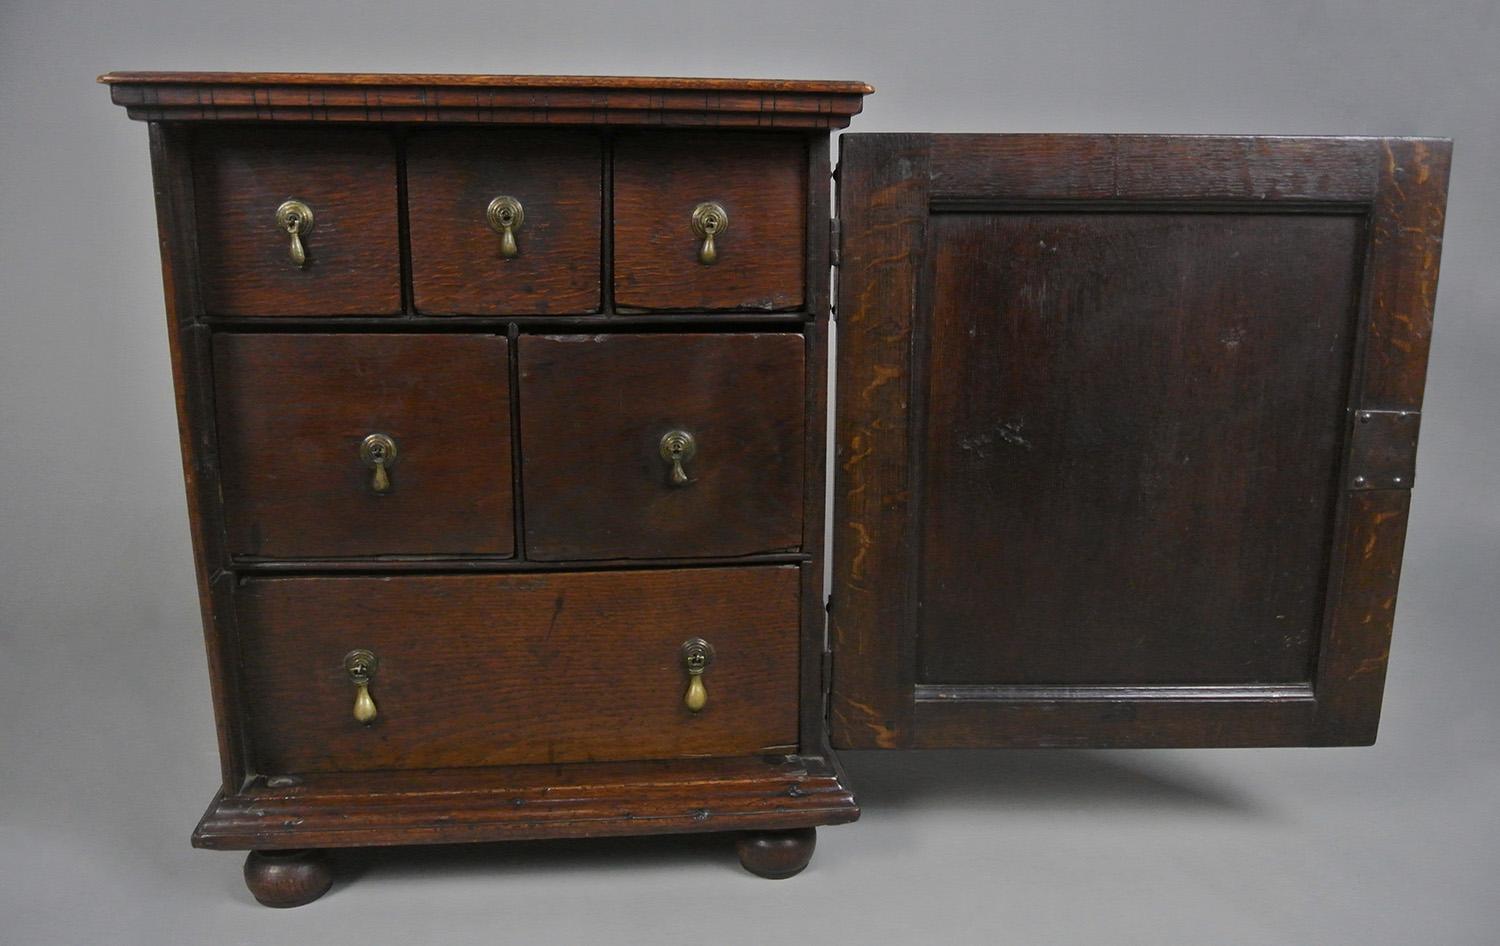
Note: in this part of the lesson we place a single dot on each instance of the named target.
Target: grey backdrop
(106, 743)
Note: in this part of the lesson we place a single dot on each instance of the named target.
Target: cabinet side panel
(192, 382)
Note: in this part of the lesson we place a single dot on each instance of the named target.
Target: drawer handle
(296, 218)
(360, 665)
(697, 654)
(709, 220)
(505, 215)
(678, 447)
(378, 451)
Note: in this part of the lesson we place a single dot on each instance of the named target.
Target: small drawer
(468, 670)
(466, 188)
(252, 184)
(600, 415)
(306, 474)
(758, 182)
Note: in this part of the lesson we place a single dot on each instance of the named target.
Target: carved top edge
(376, 97)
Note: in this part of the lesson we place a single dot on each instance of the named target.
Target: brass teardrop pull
(709, 220)
(296, 218)
(697, 654)
(505, 215)
(360, 665)
(378, 451)
(678, 447)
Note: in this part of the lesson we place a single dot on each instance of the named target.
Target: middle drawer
(661, 446)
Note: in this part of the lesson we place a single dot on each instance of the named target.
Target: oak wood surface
(776, 855)
(348, 178)
(501, 669)
(530, 801)
(190, 351)
(1194, 308)
(287, 878)
(592, 100)
(293, 410)
(456, 263)
(759, 179)
(1135, 428)
(593, 411)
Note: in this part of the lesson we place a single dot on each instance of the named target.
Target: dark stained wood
(347, 177)
(1405, 248)
(1079, 525)
(287, 878)
(593, 411)
(294, 409)
(457, 267)
(1111, 382)
(435, 564)
(1197, 168)
(1351, 668)
(592, 100)
(1102, 474)
(759, 179)
(530, 801)
(814, 719)
(776, 855)
(503, 670)
(882, 206)
(192, 384)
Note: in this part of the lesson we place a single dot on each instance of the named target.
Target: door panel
(1103, 474)
(1164, 443)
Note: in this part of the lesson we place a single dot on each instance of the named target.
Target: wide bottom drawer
(467, 670)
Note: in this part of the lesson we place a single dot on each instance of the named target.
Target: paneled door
(1126, 433)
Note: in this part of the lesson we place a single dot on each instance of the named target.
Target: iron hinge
(827, 672)
(1383, 449)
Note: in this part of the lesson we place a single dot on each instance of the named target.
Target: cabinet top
(381, 97)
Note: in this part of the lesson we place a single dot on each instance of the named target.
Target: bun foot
(287, 878)
(776, 855)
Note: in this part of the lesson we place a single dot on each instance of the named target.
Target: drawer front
(462, 264)
(518, 669)
(596, 411)
(351, 261)
(760, 182)
(294, 415)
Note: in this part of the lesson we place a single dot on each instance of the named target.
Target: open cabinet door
(1126, 431)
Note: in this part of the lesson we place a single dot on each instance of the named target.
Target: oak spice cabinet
(502, 405)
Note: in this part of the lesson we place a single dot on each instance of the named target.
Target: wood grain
(759, 179)
(293, 410)
(1177, 564)
(1199, 168)
(347, 177)
(498, 670)
(591, 100)
(457, 268)
(593, 412)
(1121, 538)
(882, 203)
(530, 801)
(1405, 250)
(191, 354)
